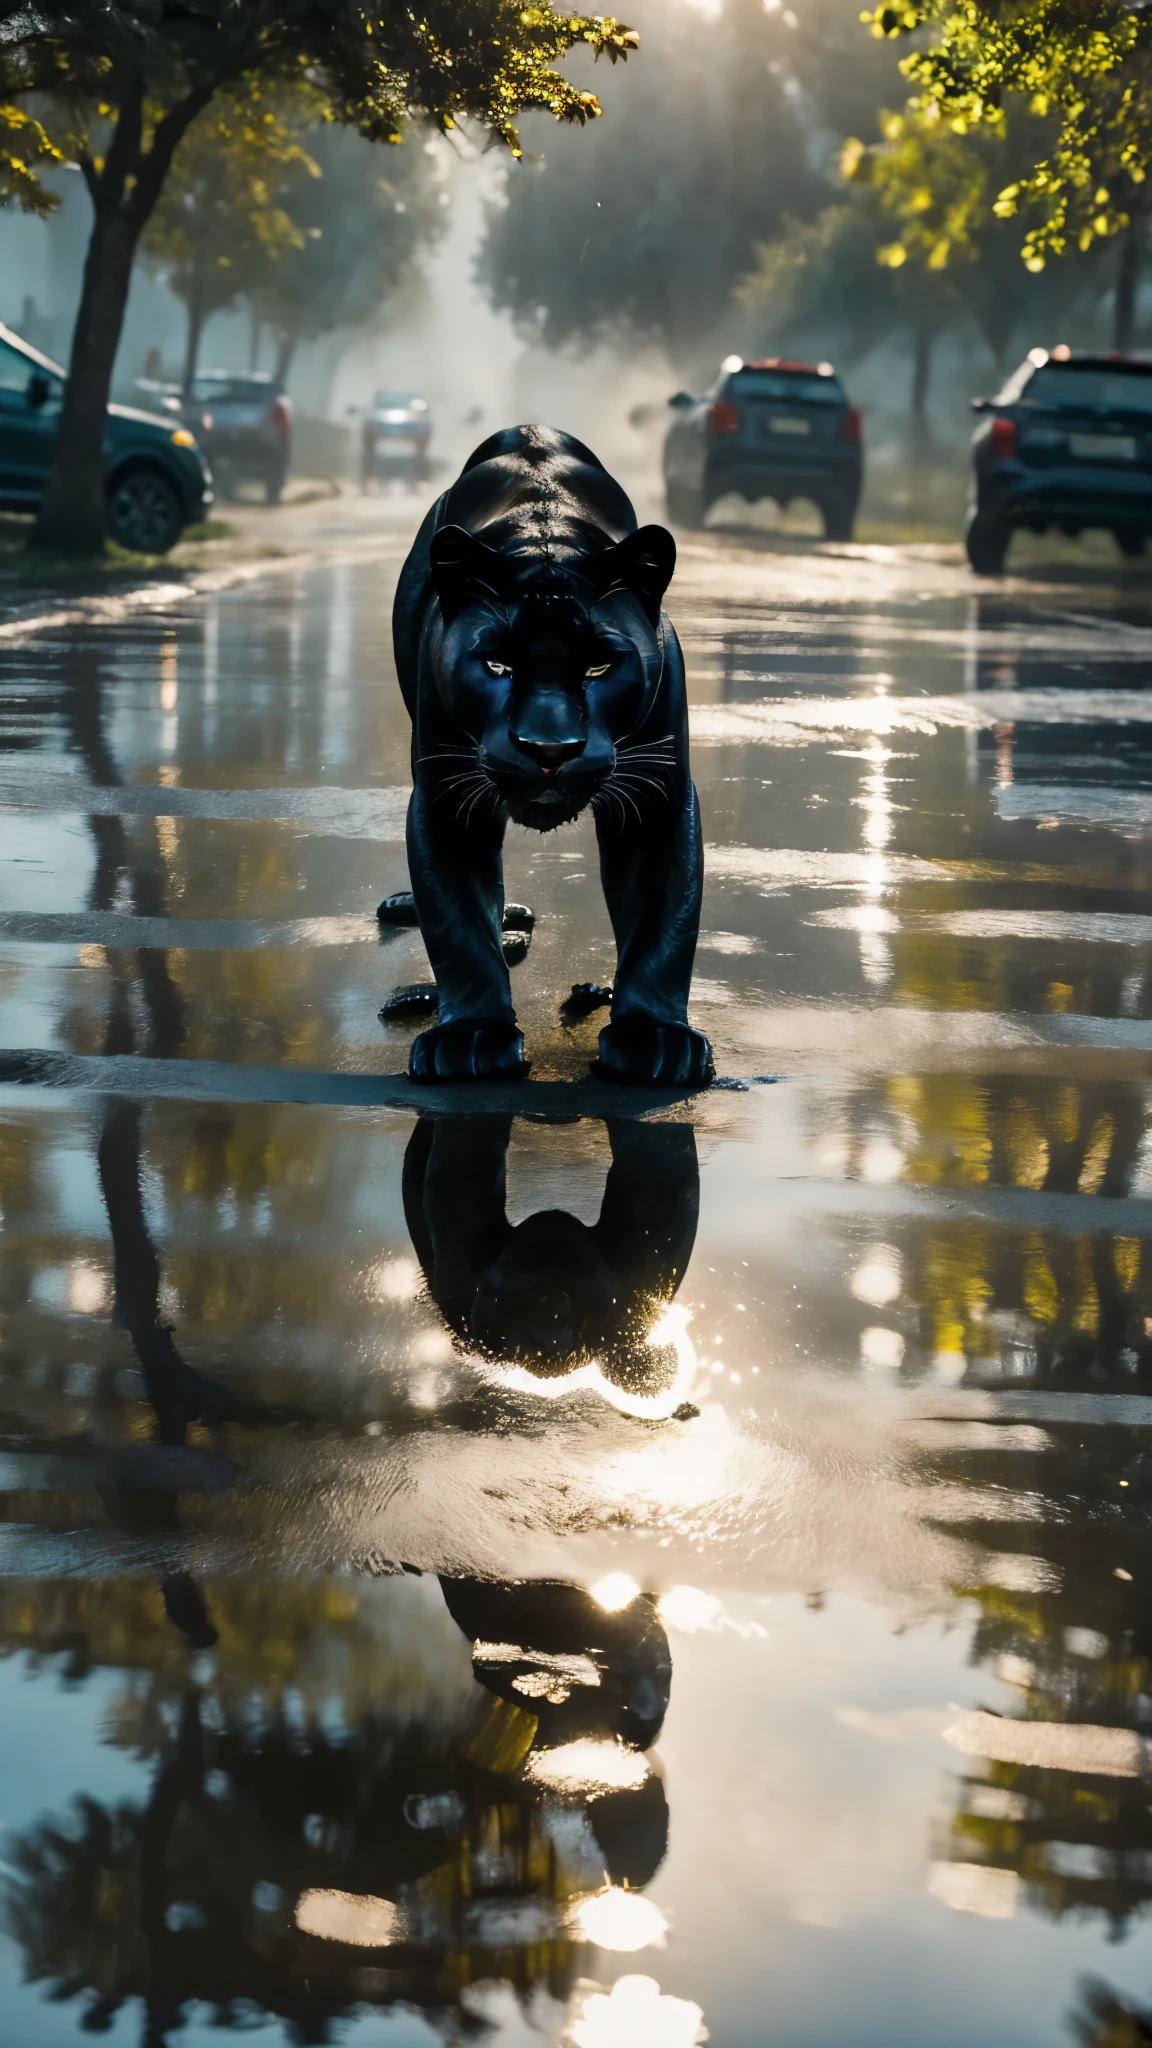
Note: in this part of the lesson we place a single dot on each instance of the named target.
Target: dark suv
(767, 430)
(154, 474)
(1068, 444)
(245, 423)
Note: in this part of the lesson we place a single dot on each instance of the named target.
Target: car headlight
(183, 439)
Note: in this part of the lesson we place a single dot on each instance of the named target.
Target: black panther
(543, 678)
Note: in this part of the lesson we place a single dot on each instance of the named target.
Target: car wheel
(686, 504)
(144, 512)
(839, 519)
(986, 539)
(1130, 542)
(273, 485)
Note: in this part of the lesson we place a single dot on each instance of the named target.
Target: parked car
(155, 476)
(245, 424)
(1068, 443)
(395, 437)
(770, 429)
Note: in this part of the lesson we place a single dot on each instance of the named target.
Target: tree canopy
(1082, 68)
(361, 224)
(645, 227)
(125, 80)
(224, 213)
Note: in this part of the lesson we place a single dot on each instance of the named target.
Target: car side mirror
(38, 390)
(981, 405)
(681, 401)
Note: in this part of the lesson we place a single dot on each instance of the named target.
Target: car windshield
(240, 390)
(786, 384)
(1104, 389)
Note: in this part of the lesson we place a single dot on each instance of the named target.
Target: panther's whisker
(664, 739)
(626, 797)
(473, 801)
(461, 781)
(607, 800)
(645, 782)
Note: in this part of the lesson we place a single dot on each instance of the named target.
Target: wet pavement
(548, 1565)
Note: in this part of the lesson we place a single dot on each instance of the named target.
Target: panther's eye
(600, 670)
(497, 668)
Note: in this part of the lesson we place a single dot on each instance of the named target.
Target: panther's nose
(549, 754)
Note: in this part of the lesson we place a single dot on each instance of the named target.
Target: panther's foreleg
(652, 870)
(458, 882)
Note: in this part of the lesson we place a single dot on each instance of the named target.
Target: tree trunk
(921, 379)
(124, 190)
(286, 342)
(72, 514)
(192, 339)
(1127, 283)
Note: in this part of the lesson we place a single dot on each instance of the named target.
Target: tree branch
(123, 158)
(166, 137)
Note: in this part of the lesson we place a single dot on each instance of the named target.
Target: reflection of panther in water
(551, 1292)
(542, 677)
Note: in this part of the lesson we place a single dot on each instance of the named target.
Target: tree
(920, 212)
(221, 214)
(840, 284)
(646, 230)
(1083, 69)
(130, 80)
(360, 223)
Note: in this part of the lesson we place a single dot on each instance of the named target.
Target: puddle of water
(527, 1569)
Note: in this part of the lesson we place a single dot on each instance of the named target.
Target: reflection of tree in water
(1020, 1303)
(434, 1817)
(130, 871)
(1104, 2020)
(314, 1842)
(1063, 1621)
(1045, 1324)
(472, 1827)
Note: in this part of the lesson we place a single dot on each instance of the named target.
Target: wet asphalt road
(781, 1665)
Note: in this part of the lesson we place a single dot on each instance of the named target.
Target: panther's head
(548, 667)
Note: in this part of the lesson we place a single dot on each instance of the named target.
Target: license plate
(1103, 447)
(781, 423)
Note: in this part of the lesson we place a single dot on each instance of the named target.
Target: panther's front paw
(648, 1054)
(473, 1049)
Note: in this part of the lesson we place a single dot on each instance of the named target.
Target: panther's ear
(461, 565)
(643, 563)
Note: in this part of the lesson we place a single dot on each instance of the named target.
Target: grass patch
(40, 568)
